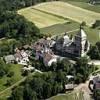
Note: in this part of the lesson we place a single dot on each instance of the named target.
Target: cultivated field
(69, 11)
(41, 19)
(84, 4)
(52, 18)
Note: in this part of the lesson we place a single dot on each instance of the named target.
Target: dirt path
(84, 88)
(95, 62)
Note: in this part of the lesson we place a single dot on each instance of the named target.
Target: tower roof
(81, 33)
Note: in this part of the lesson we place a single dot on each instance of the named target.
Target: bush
(2, 73)
(9, 82)
(96, 24)
(25, 73)
(83, 23)
(10, 74)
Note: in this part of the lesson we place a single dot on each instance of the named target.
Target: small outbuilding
(9, 59)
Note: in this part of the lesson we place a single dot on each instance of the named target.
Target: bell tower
(80, 42)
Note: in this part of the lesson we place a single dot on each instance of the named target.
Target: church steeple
(80, 41)
(81, 34)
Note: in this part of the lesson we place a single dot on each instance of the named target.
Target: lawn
(68, 96)
(17, 76)
(69, 11)
(40, 18)
(58, 29)
(84, 4)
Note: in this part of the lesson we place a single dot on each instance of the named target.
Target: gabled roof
(47, 57)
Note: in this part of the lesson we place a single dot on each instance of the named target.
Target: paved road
(95, 62)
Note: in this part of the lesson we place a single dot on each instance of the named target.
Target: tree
(17, 93)
(94, 52)
(10, 74)
(83, 24)
(82, 70)
(96, 24)
(29, 94)
(9, 82)
(4, 68)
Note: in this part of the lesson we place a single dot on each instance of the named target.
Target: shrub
(10, 74)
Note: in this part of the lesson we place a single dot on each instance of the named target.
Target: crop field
(55, 18)
(40, 18)
(69, 11)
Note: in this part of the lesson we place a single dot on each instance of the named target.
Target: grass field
(68, 96)
(84, 4)
(41, 19)
(61, 28)
(17, 76)
(69, 11)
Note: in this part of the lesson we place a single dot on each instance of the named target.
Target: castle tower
(81, 43)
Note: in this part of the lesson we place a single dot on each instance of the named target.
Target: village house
(43, 51)
(48, 59)
(21, 57)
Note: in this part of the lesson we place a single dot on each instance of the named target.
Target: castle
(49, 49)
(78, 46)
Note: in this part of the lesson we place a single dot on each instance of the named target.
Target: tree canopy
(18, 4)
(94, 52)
